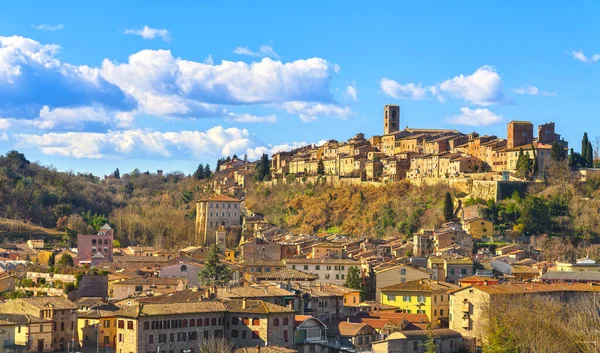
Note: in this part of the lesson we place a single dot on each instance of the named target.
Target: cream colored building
(25, 331)
(399, 274)
(214, 212)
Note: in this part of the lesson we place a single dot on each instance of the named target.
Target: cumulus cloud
(263, 51)
(532, 91)
(46, 27)
(580, 56)
(351, 92)
(483, 87)
(257, 152)
(150, 82)
(396, 90)
(150, 33)
(475, 117)
(309, 112)
(248, 118)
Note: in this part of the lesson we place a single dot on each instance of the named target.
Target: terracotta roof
(256, 262)
(423, 335)
(285, 274)
(267, 349)
(395, 317)
(522, 288)
(221, 198)
(172, 309)
(89, 301)
(348, 329)
(255, 306)
(578, 276)
(11, 319)
(60, 303)
(476, 279)
(420, 285)
(152, 281)
(323, 260)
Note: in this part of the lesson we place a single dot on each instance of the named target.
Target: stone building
(26, 333)
(60, 310)
(391, 118)
(214, 212)
(519, 133)
(90, 245)
(177, 327)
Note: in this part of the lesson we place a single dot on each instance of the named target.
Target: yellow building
(422, 296)
(400, 273)
(478, 227)
(26, 331)
(229, 255)
(327, 249)
(90, 321)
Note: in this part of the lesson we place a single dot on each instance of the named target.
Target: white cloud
(475, 117)
(4, 136)
(532, 91)
(309, 112)
(46, 27)
(248, 118)
(351, 92)
(483, 87)
(209, 60)
(408, 91)
(5, 123)
(578, 55)
(150, 33)
(257, 152)
(263, 51)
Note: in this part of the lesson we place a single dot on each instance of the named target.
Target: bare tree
(596, 148)
(215, 345)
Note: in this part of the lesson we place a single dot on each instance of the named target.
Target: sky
(92, 86)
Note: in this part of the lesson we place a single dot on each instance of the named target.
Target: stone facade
(212, 213)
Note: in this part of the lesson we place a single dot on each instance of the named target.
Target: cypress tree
(448, 208)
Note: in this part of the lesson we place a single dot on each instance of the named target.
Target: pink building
(95, 248)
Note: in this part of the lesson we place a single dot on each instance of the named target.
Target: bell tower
(391, 118)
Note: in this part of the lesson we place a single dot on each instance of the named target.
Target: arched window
(192, 322)
(199, 322)
(184, 323)
(213, 321)
(220, 321)
(394, 116)
(403, 272)
(183, 268)
(285, 321)
(234, 333)
(146, 325)
(276, 322)
(207, 322)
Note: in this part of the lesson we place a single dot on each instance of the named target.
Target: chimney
(258, 349)
(291, 304)
(348, 319)
(485, 282)
(244, 304)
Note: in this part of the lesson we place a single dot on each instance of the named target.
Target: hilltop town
(243, 283)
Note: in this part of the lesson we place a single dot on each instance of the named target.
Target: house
(478, 227)
(261, 266)
(96, 326)
(423, 296)
(308, 330)
(140, 251)
(281, 275)
(327, 249)
(414, 341)
(469, 305)
(504, 250)
(585, 264)
(327, 270)
(61, 311)
(571, 277)
(35, 243)
(477, 281)
(399, 273)
(449, 268)
(100, 243)
(358, 336)
(150, 285)
(7, 283)
(180, 269)
(24, 332)
(260, 249)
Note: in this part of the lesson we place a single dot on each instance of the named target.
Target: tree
(535, 216)
(589, 155)
(524, 165)
(353, 279)
(128, 189)
(116, 244)
(215, 345)
(207, 171)
(558, 152)
(117, 174)
(320, 167)
(430, 345)
(585, 145)
(135, 173)
(66, 260)
(262, 169)
(448, 208)
(199, 174)
(534, 168)
(214, 272)
(51, 260)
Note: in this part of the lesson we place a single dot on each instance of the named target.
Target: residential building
(449, 268)
(328, 270)
(90, 245)
(327, 249)
(415, 341)
(97, 326)
(149, 285)
(186, 269)
(478, 227)
(261, 249)
(308, 330)
(585, 264)
(399, 273)
(261, 266)
(26, 333)
(219, 210)
(358, 336)
(424, 296)
(61, 311)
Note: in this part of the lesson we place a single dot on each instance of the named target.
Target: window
(285, 321)
(342, 276)
(207, 322)
(183, 268)
(306, 267)
(120, 337)
(235, 321)
(360, 340)
(243, 334)
(199, 322)
(337, 276)
(391, 297)
(255, 335)
(343, 268)
(328, 268)
(150, 339)
(171, 337)
(62, 326)
(93, 242)
(245, 321)
(421, 299)
(435, 312)
(234, 334)
(255, 322)
(121, 324)
(317, 267)
(403, 272)
(293, 267)
(463, 271)
(146, 325)
(184, 323)
(213, 321)
(285, 335)
(130, 325)
(327, 276)
(452, 271)
(276, 322)
(441, 312)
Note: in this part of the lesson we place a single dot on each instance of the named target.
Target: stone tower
(391, 118)
(520, 133)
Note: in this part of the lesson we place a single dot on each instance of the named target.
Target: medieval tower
(391, 118)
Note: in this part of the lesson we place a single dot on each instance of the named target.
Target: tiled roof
(579, 276)
(256, 262)
(521, 288)
(267, 349)
(395, 317)
(11, 319)
(252, 292)
(285, 274)
(255, 307)
(420, 285)
(323, 260)
(156, 281)
(347, 329)
(89, 301)
(172, 309)
(100, 311)
(222, 198)
(60, 303)
(423, 335)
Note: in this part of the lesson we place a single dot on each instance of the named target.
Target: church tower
(391, 118)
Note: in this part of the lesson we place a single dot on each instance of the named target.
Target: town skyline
(149, 93)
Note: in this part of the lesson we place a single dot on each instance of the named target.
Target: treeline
(392, 209)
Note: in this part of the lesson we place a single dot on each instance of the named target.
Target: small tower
(391, 118)
(221, 234)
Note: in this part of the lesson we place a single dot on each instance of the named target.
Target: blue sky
(167, 85)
